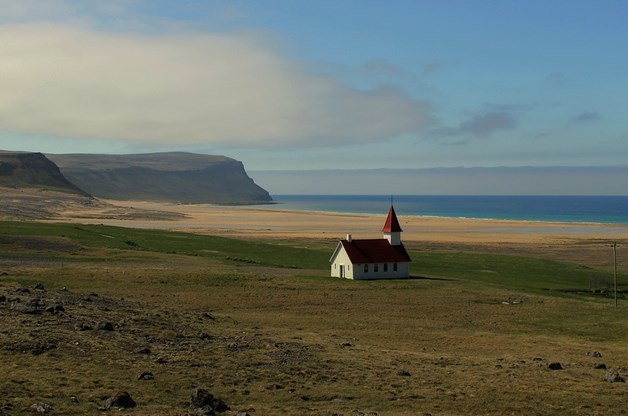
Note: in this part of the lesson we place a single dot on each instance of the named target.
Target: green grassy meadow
(263, 326)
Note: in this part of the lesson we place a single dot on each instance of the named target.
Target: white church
(379, 258)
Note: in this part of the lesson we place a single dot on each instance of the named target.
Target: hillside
(175, 176)
(33, 170)
(91, 310)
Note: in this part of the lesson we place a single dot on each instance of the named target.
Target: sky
(320, 84)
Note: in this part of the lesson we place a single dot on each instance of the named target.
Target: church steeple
(392, 230)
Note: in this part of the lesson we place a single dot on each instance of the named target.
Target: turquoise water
(595, 209)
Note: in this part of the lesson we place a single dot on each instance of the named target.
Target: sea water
(591, 209)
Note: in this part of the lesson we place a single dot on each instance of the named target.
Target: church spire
(392, 223)
(392, 230)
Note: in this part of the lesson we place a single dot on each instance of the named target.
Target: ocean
(587, 209)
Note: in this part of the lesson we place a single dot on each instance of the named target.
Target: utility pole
(615, 270)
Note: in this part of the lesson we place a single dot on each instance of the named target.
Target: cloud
(586, 116)
(486, 124)
(480, 125)
(430, 68)
(184, 88)
(383, 68)
(556, 80)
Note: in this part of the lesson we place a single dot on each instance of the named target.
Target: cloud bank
(184, 89)
(480, 125)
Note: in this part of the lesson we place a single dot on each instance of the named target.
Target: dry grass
(284, 341)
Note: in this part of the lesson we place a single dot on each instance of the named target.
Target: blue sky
(352, 84)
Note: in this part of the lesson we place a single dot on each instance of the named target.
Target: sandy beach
(273, 222)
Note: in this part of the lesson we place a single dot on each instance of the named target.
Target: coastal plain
(244, 307)
(587, 243)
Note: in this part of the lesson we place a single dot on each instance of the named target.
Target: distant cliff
(33, 170)
(175, 176)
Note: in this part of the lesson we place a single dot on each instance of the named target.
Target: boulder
(43, 346)
(83, 327)
(25, 308)
(54, 309)
(555, 366)
(612, 376)
(104, 326)
(121, 400)
(41, 407)
(146, 375)
(205, 404)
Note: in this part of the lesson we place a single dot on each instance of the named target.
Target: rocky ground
(41, 204)
(62, 346)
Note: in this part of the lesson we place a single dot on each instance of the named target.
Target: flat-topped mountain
(173, 176)
(34, 170)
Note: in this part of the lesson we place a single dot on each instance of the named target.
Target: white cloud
(195, 88)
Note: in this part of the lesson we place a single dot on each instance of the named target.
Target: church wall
(342, 259)
(403, 271)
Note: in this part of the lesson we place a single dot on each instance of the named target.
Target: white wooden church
(379, 258)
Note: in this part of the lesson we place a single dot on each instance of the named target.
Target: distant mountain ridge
(170, 176)
(34, 170)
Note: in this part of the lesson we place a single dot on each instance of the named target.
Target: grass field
(262, 326)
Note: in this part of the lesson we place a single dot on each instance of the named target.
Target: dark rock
(41, 407)
(612, 376)
(555, 366)
(23, 290)
(144, 350)
(74, 398)
(597, 354)
(204, 403)
(25, 308)
(104, 326)
(42, 347)
(207, 315)
(146, 375)
(346, 344)
(55, 309)
(404, 373)
(3, 298)
(39, 286)
(37, 302)
(600, 366)
(83, 327)
(122, 400)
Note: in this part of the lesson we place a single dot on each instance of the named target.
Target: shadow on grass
(444, 279)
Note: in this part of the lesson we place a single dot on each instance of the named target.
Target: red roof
(392, 224)
(375, 251)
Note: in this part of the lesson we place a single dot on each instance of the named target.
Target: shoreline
(274, 222)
